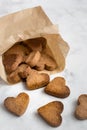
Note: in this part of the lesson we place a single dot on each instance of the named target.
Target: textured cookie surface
(81, 109)
(33, 58)
(37, 80)
(13, 77)
(46, 62)
(57, 88)
(21, 72)
(11, 62)
(17, 105)
(51, 113)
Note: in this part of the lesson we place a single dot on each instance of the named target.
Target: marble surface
(71, 17)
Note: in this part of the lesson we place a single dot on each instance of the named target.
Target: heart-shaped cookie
(17, 105)
(36, 80)
(51, 113)
(57, 88)
(81, 109)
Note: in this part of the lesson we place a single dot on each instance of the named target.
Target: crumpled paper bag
(27, 24)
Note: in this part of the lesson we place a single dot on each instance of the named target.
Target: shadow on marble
(2, 82)
(74, 104)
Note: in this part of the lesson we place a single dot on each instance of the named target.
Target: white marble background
(71, 16)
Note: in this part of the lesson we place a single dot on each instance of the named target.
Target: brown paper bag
(27, 24)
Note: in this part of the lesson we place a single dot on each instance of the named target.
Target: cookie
(81, 109)
(24, 70)
(13, 78)
(40, 66)
(36, 80)
(33, 58)
(47, 62)
(51, 113)
(17, 105)
(11, 62)
(20, 73)
(57, 88)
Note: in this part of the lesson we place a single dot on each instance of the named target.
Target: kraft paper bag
(28, 24)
